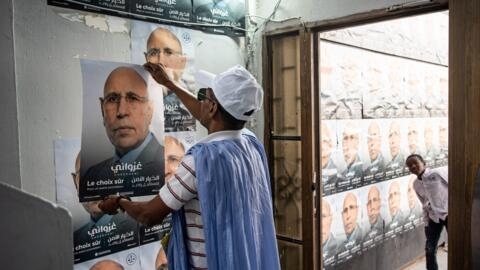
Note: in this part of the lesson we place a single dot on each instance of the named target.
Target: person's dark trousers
(432, 233)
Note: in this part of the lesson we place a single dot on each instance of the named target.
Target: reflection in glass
(286, 103)
(288, 183)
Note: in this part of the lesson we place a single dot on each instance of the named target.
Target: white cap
(235, 89)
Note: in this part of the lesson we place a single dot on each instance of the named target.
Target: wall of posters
(134, 135)
(378, 107)
(100, 238)
(226, 17)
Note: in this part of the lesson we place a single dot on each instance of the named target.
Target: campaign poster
(329, 82)
(397, 205)
(342, 82)
(175, 10)
(374, 141)
(129, 259)
(329, 149)
(122, 133)
(349, 137)
(330, 242)
(376, 102)
(109, 7)
(396, 149)
(94, 234)
(228, 15)
(349, 221)
(374, 209)
(225, 17)
(414, 213)
(176, 144)
(173, 47)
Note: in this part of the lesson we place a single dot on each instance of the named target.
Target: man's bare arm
(161, 76)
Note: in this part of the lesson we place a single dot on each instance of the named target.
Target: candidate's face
(127, 112)
(411, 193)
(350, 213)
(326, 220)
(326, 145)
(350, 145)
(173, 156)
(373, 205)
(394, 139)
(168, 52)
(412, 138)
(374, 141)
(394, 198)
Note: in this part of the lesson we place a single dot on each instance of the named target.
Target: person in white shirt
(431, 187)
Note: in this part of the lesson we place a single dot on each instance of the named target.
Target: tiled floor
(442, 257)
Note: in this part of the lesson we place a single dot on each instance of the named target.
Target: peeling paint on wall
(117, 25)
(73, 17)
(96, 22)
(100, 22)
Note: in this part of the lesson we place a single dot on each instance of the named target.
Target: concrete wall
(9, 159)
(35, 233)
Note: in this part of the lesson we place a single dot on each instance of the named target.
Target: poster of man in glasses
(122, 150)
(173, 48)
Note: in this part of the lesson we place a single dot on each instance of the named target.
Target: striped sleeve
(181, 188)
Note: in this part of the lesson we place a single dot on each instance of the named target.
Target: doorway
(362, 93)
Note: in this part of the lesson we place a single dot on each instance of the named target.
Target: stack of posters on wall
(380, 102)
(134, 134)
(225, 17)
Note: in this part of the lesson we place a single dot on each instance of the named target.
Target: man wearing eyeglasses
(164, 47)
(220, 197)
(353, 172)
(137, 165)
(376, 170)
(375, 220)
(329, 242)
(353, 232)
(396, 213)
(395, 168)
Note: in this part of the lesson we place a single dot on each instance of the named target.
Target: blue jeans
(432, 233)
